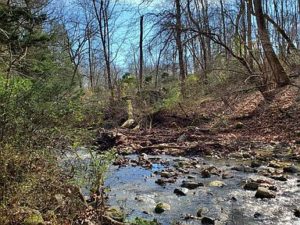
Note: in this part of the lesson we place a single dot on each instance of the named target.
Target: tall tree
(141, 53)
(279, 74)
(178, 37)
(102, 11)
(249, 33)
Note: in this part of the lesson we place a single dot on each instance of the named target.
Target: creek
(133, 186)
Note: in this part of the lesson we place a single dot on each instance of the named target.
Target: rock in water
(166, 174)
(245, 169)
(251, 186)
(227, 175)
(207, 221)
(290, 169)
(273, 188)
(161, 207)
(191, 184)
(143, 156)
(264, 193)
(216, 183)
(191, 177)
(255, 164)
(257, 215)
(279, 178)
(205, 173)
(201, 211)
(297, 212)
(164, 181)
(181, 191)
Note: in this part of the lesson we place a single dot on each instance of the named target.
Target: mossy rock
(161, 207)
(116, 214)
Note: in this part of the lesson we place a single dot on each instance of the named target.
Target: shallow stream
(132, 186)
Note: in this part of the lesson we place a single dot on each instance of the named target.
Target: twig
(111, 221)
(164, 147)
(295, 85)
(180, 106)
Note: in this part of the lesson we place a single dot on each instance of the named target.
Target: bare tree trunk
(179, 46)
(90, 57)
(157, 67)
(279, 74)
(102, 19)
(141, 53)
(223, 26)
(249, 33)
(244, 29)
(282, 32)
(204, 4)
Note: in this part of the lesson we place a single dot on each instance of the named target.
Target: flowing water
(133, 188)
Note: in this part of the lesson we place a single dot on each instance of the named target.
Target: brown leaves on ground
(286, 98)
(193, 131)
(248, 105)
